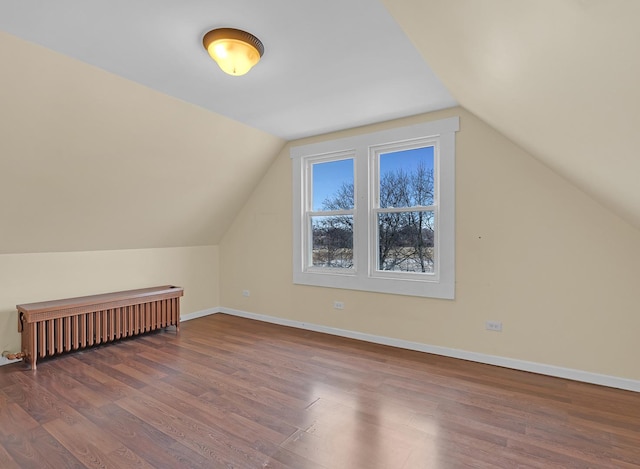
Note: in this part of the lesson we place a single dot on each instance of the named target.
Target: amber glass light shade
(235, 51)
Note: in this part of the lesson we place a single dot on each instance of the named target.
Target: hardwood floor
(235, 393)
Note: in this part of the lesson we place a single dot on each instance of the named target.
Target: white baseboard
(6, 361)
(199, 314)
(533, 367)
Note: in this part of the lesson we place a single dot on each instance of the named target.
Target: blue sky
(407, 160)
(328, 177)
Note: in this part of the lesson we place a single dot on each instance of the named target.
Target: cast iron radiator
(53, 327)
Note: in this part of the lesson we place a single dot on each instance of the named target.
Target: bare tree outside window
(332, 235)
(332, 241)
(405, 237)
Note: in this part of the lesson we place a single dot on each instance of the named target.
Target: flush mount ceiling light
(234, 50)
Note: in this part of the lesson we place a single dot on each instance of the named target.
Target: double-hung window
(331, 215)
(376, 212)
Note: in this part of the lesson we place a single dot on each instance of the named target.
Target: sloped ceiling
(93, 158)
(561, 78)
(91, 161)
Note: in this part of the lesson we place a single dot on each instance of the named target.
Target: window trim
(361, 278)
(374, 205)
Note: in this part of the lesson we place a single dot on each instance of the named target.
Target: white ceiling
(327, 65)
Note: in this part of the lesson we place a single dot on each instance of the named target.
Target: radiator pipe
(13, 355)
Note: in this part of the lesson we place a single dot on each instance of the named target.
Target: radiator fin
(75, 324)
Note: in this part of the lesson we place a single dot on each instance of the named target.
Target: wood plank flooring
(234, 393)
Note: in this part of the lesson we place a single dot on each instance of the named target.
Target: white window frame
(374, 207)
(309, 212)
(363, 275)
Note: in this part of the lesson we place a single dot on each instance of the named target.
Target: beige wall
(27, 278)
(557, 268)
(92, 161)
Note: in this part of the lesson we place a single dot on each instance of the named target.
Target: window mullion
(361, 217)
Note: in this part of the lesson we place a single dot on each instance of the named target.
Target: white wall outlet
(493, 326)
(338, 305)
(246, 293)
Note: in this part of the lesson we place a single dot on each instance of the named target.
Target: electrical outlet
(246, 293)
(338, 305)
(493, 326)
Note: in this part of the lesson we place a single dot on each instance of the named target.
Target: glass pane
(406, 241)
(332, 184)
(332, 241)
(406, 178)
